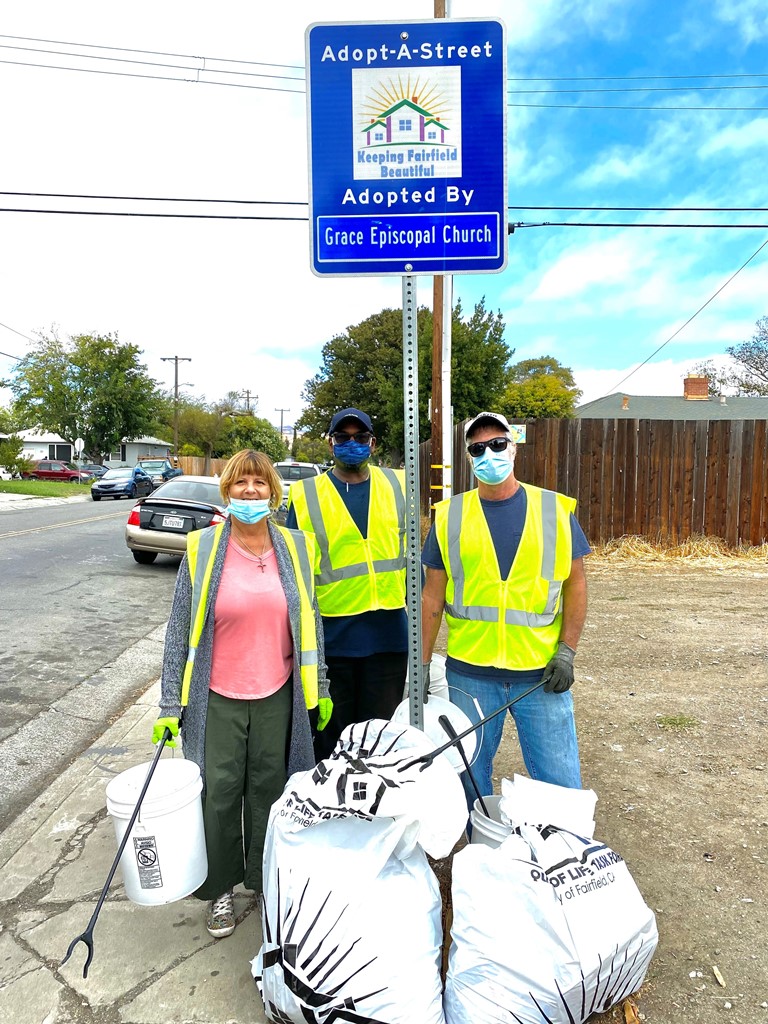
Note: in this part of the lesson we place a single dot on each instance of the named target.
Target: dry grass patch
(696, 552)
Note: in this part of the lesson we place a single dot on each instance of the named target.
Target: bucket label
(147, 862)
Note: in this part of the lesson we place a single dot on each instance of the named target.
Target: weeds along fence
(665, 480)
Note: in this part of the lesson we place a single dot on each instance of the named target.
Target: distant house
(41, 444)
(131, 451)
(693, 404)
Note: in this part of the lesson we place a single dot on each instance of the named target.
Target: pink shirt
(252, 647)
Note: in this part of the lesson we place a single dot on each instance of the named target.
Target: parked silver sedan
(159, 523)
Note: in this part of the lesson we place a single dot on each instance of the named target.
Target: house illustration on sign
(405, 122)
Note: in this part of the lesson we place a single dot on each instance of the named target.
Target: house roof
(40, 436)
(146, 440)
(672, 407)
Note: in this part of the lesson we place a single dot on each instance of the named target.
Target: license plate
(174, 522)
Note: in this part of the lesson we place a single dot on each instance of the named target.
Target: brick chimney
(625, 402)
(696, 388)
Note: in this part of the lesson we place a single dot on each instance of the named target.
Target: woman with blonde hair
(244, 661)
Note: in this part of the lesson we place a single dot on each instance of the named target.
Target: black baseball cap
(350, 414)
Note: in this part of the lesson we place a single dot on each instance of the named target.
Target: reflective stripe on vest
(374, 577)
(202, 546)
(513, 617)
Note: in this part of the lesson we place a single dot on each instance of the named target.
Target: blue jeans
(545, 727)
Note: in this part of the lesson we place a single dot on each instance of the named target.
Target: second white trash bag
(351, 915)
(548, 928)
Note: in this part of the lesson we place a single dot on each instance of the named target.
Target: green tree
(540, 388)
(11, 455)
(8, 421)
(363, 368)
(748, 375)
(90, 386)
(255, 432)
(310, 449)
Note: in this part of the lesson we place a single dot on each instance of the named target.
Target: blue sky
(238, 296)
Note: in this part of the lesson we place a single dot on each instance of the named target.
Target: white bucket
(164, 859)
(491, 831)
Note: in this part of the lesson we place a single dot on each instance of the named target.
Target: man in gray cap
(357, 513)
(505, 562)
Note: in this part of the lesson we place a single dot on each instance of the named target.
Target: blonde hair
(256, 464)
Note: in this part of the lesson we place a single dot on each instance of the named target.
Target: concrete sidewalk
(151, 965)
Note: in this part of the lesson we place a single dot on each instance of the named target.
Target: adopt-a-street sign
(407, 145)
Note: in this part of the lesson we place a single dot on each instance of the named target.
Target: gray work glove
(425, 681)
(558, 674)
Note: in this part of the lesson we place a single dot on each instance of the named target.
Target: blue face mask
(249, 512)
(351, 453)
(492, 467)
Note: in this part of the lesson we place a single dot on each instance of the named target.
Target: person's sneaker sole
(220, 933)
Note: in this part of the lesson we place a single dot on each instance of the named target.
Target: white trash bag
(547, 927)
(351, 915)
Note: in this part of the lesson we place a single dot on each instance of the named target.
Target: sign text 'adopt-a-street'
(407, 147)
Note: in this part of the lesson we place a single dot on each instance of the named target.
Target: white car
(4, 474)
(292, 471)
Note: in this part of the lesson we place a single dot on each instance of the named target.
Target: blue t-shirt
(357, 636)
(505, 521)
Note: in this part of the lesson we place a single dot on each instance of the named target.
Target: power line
(690, 318)
(25, 336)
(303, 202)
(620, 224)
(126, 213)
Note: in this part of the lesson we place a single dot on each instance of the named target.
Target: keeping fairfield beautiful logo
(407, 126)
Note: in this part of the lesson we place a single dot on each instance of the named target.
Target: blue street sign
(407, 143)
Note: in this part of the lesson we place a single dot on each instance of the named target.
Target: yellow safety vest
(513, 623)
(202, 546)
(355, 573)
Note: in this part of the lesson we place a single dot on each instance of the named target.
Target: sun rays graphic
(417, 90)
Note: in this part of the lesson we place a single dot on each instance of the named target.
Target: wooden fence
(196, 465)
(665, 480)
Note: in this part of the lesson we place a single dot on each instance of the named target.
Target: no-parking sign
(407, 143)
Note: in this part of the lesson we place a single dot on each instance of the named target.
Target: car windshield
(184, 489)
(296, 472)
(117, 474)
(149, 467)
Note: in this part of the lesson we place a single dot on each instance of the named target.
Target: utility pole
(176, 360)
(439, 313)
(281, 411)
(246, 394)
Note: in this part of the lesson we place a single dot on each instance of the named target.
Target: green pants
(246, 748)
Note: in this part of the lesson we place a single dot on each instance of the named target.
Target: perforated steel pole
(412, 498)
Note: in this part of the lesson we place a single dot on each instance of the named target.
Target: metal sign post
(412, 500)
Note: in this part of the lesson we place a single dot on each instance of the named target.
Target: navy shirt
(357, 636)
(505, 521)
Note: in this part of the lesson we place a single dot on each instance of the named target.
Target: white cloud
(748, 17)
(745, 136)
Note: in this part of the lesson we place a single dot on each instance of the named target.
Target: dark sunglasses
(362, 437)
(496, 444)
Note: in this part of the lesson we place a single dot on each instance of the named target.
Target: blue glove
(558, 674)
(324, 712)
(159, 730)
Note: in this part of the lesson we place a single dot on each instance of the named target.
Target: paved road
(81, 627)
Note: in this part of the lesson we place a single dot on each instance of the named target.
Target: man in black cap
(357, 514)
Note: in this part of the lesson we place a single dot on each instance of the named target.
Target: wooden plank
(596, 481)
(698, 486)
(540, 452)
(585, 481)
(619, 478)
(714, 446)
(745, 490)
(758, 525)
(733, 483)
(643, 514)
(664, 445)
(607, 482)
(676, 477)
(687, 464)
(630, 486)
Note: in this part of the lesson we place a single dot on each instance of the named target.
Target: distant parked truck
(160, 468)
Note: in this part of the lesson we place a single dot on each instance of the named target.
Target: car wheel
(144, 557)
(96, 497)
(33, 477)
(133, 491)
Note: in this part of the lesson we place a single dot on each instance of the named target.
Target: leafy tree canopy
(363, 368)
(219, 429)
(255, 432)
(89, 386)
(748, 376)
(540, 389)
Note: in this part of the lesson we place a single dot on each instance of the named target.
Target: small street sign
(407, 144)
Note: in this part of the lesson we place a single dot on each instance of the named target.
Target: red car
(54, 469)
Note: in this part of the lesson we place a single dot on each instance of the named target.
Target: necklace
(260, 556)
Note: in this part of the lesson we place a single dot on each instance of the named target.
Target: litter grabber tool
(86, 937)
(427, 759)
(447, 725)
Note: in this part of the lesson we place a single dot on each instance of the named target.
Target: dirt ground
(672, 710)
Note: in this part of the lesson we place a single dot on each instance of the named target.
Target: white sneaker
(220, 921)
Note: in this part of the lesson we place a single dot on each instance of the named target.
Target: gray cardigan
(300, 752)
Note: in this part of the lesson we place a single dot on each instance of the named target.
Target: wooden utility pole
(436, 462)
(175, 360)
